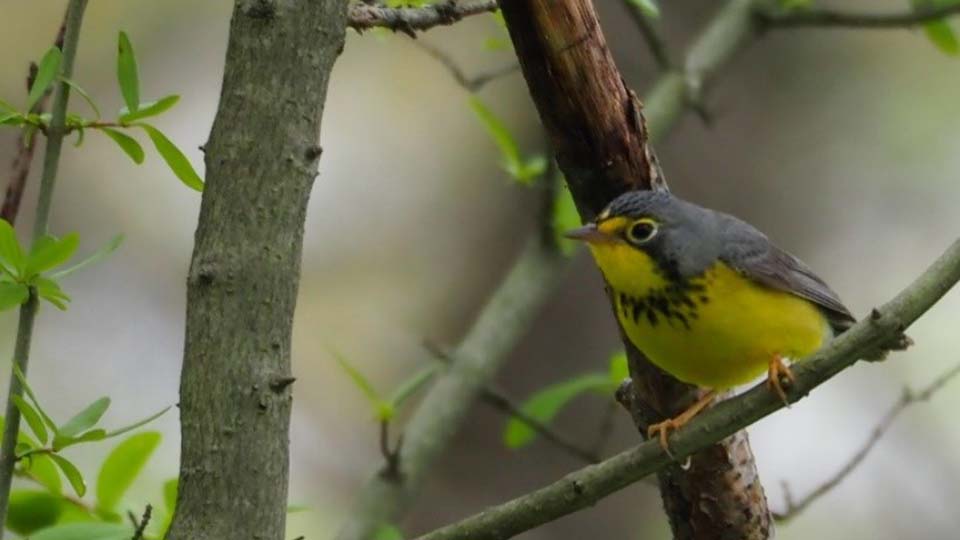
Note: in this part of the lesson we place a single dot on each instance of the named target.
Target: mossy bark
(261, 160)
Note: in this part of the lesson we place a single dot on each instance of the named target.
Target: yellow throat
(716, 330)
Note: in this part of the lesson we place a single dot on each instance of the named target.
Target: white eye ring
(642, 231)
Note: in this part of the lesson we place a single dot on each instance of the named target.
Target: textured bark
(235, 394)
(596, 124)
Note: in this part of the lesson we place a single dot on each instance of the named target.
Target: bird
(707, 297)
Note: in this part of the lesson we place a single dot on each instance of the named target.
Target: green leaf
(170, 494)
(96, 257)
(387, 531)
(42, 469)
(10, 251)
(32, 510)
(7, 106)
(46, 74)
(48, 252)
(127, 73)
(93, 530)
(408, 387)
(50, 291)
(649, 8)
(12, 119)
(128, 144)
(509, 151)
(85, 419)
(175, 159)
(18, 373)
(152, 108)
(122, 466)
(137, 424)
(546, 403)
(32, 417)
(359, 380)
(941, 34)
(619, 369)
(83, 93)
(565, 217)
(71, 472)
(94, 435)
(12, 295)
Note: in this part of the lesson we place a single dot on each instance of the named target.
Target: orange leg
(776, 372)
(663, 429)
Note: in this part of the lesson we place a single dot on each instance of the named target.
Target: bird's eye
(642, 231)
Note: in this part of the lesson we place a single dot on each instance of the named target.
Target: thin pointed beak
(588, 233)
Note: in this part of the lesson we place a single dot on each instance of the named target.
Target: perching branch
(907, 398)
(28, 310)
(827, 18)
(409, 20)
(591, 484)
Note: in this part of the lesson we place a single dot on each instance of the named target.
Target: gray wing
(751, 253)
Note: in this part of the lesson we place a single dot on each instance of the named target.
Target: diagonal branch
(826, 18)
(907, 398)
(591, 484)
(409, 20)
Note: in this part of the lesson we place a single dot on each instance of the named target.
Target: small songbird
(707, 297)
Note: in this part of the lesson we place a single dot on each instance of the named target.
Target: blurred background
(841, 145)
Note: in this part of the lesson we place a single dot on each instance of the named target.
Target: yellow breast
(716, 330)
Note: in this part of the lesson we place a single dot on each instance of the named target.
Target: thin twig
(826, 18)
(142, 525)
(651, 35)
(391, 456)
(499, 400)
(23, 158)
(907, 398)
(470, 84)
(592, 483)
(28, 311)
(409, 20)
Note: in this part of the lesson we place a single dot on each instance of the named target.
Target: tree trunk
(261, 160)
(596, 125)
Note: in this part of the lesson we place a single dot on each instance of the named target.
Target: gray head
(683, 238)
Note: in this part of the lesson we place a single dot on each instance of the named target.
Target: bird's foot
(777, 373)
(662, 429)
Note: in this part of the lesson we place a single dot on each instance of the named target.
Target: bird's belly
(730, 332)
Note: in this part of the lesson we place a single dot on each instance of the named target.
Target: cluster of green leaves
(385, 407)
(544, 405)
(22, 271)
(49, 513)
(129, 117)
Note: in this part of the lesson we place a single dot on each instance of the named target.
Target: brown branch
(597, 126)
(907, 398)
(409, 20)
(23, 158)
(826, 18)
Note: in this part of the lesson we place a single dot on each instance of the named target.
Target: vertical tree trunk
(235, 394)
(597, 127)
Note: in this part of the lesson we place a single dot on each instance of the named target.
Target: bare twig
(826, 18)
(470, 84)
(409, 20)
(23, 158)
(499, 400)
(907, 398)
(651, 35)
(141, 526)
(590, 484)
(391, 456)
